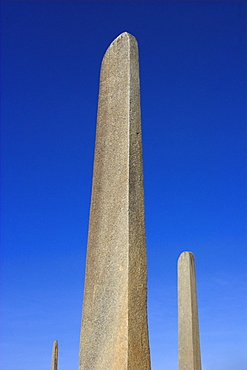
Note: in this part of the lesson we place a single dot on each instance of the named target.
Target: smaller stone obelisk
(189, 356)
(54, 361)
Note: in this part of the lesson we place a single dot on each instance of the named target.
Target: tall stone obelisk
(54, 360)
(114, 334)
(189, 355)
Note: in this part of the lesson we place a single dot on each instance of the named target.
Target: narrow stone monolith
(54, 361)
(189, 356)
(114, 334)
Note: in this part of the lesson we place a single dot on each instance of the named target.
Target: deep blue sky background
(193, 96)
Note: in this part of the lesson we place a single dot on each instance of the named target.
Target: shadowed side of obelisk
(114, 325)
(189, 356)
(138, 353)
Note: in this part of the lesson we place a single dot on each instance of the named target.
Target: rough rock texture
(54, 361)
(114, 331)
(189, 356)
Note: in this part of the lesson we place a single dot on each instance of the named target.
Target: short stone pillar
(189, 357)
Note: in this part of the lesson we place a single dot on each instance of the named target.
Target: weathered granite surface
(54, 361)
(189, 356)
(114, 332)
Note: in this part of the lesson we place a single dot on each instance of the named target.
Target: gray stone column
(189, 356)
(114, 334)
(54, 361)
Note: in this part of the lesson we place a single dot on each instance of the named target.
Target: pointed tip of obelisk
(124, 39)
(124, 35)
(186, 256)
(55, 347)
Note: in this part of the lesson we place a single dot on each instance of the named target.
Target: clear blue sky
(193, 97)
